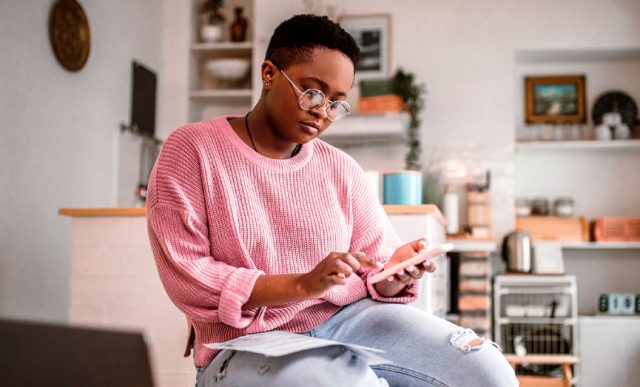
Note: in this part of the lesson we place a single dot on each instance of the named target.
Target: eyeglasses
(312, 99)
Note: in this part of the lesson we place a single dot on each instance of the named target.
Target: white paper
(280, 343)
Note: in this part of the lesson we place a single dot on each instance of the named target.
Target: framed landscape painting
(555, 99)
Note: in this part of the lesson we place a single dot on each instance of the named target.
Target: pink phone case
(430, 253)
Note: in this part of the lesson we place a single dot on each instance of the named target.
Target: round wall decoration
(69, 34)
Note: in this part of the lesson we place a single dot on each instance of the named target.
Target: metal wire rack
(536, 315)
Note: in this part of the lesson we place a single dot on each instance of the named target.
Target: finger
(350, 260)
(342, 269)
(419, 244)
(366, 261)
(429, 266)
(403, 277)
(338, 279)
(413, 271)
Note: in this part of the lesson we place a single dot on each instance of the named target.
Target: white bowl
(229, 69)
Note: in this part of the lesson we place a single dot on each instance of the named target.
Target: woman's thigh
(419, 344)
(328, 366)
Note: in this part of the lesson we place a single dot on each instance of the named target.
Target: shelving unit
(584, 144)
(592, 172)
(209, 97)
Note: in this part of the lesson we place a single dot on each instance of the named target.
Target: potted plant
(412, 95)
(213, 18)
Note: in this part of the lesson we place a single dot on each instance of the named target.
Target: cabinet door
(609, 351)
(434, 295)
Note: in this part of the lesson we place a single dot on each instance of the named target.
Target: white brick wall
(115, 285)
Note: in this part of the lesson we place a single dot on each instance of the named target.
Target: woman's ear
(267, 71)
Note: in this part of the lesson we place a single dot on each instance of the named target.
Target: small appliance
(517, 251)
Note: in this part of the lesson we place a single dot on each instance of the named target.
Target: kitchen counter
(113, 211)
(142, 211)
(114, 283)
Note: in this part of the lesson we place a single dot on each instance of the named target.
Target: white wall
(59, 143)
(464, 52)
(59, 139)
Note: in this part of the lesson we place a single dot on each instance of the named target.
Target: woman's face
(329, 71)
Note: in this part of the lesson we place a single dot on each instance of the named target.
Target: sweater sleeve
(374, 235)
(199, 285)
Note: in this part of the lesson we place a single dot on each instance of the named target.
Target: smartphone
(430, 253)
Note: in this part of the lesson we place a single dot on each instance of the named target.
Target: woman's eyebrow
(324, 86)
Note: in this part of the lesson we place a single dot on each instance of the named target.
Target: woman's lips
(310, 127)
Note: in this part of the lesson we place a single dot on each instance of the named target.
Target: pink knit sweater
(220, 215)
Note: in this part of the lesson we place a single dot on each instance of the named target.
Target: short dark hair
(294, 40)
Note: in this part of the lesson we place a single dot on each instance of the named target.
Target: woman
(256, 225)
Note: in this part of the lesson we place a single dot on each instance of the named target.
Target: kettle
(517, 251)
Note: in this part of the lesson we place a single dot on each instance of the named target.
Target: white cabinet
(609, 351)
(426, 221)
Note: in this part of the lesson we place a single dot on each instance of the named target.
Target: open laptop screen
(38, 354)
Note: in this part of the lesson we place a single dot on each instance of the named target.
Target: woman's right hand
(333, 270)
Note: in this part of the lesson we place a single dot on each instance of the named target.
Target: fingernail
(341, 275)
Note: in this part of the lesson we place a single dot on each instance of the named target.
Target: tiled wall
(115, 285)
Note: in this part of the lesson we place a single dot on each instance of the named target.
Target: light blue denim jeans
(421, 346)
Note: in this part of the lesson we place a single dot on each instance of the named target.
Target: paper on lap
(280, 343)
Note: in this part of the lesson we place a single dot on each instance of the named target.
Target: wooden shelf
(583, 144)
(229, 93)
(368, 129)
(600, 245)
(537, 320)
(222, 46)
(586, 55)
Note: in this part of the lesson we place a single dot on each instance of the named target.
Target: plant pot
(211, 32)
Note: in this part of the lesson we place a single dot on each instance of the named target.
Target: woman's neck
(257, 132)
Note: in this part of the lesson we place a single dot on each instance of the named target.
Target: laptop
(40, 354)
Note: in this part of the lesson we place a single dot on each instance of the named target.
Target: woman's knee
(483, 364)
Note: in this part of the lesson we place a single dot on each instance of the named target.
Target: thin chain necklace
(296, 150)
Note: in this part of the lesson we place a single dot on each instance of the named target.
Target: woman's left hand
(397, 282)
(413, 272)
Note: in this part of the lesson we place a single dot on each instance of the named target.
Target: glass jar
(563, 206)
(523, 207)
(540, 206)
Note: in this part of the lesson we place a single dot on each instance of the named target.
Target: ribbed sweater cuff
(236, 292)
(409, 294)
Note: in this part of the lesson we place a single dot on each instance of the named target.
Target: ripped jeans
(425, 350)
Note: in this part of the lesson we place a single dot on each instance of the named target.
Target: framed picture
(373, 35)
(555, 99)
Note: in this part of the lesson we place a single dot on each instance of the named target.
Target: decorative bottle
(451, 210)
(239, 26)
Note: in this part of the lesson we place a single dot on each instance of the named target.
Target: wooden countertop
(113, 211)
(142, 211)
(395, 209)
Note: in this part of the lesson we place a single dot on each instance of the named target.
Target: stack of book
(378, 97)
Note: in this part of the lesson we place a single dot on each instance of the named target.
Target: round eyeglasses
(312, 99)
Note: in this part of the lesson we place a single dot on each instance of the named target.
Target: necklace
(296, 150)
